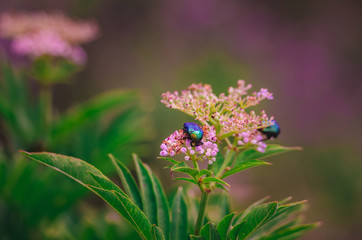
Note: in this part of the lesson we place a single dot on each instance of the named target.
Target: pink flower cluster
(177, 143)
(252, 137)
(227, 111)
(39, 33)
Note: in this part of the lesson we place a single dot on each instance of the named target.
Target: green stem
(228, 157)
(201, 215)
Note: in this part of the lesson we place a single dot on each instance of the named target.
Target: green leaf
(290, 233)
(169, 159)
(250, 208)
(179, 217)
(127, 209)
(91, 111)
(203, 172)
(157, 233)
(186, 179)
(225, 226)
(149, 201)
(128, 181)
(184, 168)
(243, 166)
(272, 149)
(209, 232)
(93, 179)
(214, 179)
(256, 218)
(282, 214)
(235, 231)
(163, 209)
(194, 237)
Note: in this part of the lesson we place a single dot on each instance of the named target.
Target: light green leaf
(272, 149)
(93, 179)
(291, 233)
(209, 232)
(214, 179)
(186, 179)
(243, 166)
(256, 218)
(163, 209)
(179, 217)
(169, 159)
(184, 168)
(128, 181)
(157, 233)
(203, 172)
(148, 195)
(225, 226)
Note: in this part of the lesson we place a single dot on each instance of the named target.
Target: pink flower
(38, 34)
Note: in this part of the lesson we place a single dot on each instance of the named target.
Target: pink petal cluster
(177, 143)
(252, 137)
(54, 34)
(227, 111)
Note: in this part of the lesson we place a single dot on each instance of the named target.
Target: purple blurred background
(308, 53)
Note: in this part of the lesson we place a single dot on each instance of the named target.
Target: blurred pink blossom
(54, 34)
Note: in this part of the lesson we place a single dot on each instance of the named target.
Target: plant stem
(201, 215)
(228, 157)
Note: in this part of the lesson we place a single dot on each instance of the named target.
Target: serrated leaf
(81, 171)
(163, 209)
(214, 179)
(184, 168)
(169, 159)
(209, 232)
(282, 214)
(128, 181)
(243, 166)
(225, 226)
(148, 195)
(179, 217)
(250, 208)
(186, 179)
(256, 218)
(157, 233)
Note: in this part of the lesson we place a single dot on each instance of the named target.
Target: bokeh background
(308, 53)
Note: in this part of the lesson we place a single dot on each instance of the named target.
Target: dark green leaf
(163, 209)
(209, 232)
(91, 111)
(127, 209)
(214, 179)
(82, 172)
(203, 172)
(250, 208)
(193, 237)
(243, 166)
(128, 181)
(179, 217)
(157, 233)
(256, 218)
(148, 195)
(235, 231)
(225, 225)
